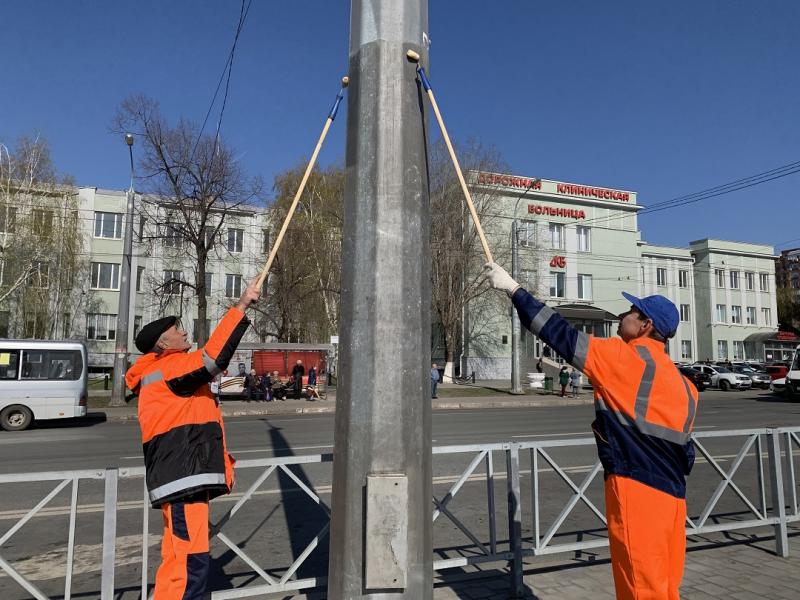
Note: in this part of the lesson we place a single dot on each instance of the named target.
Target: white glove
(499, 278)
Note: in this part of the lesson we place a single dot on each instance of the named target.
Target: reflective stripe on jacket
(645, 408)
(183, 434)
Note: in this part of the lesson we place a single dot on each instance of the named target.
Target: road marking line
(254, 450)
(538, 435)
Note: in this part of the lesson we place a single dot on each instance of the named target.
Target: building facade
(579, 248)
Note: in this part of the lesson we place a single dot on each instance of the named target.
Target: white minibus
(41, 380)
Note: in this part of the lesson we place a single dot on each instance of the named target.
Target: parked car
(776, 371)
(700, 380)
(723, 378)
(759, 378)
(778, 386)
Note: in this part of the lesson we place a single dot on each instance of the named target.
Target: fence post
(109, 534)
(776, 485)
(514, 519)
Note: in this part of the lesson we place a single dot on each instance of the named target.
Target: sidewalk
(481, 395)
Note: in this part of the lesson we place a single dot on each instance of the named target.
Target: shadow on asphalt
(90, 420)
(773, 398)
(304, 520)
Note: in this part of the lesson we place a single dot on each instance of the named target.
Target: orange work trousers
(183, 573)
(647, 535)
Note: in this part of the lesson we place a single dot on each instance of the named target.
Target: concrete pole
(121, 346)
(516, 388)
(381, 514)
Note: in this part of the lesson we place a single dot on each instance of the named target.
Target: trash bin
(548, 384)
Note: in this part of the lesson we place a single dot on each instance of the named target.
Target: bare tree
(196, 183)
(302, 303)
(456, 251)
(43, 251)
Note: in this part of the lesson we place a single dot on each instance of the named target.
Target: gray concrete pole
(121, 347)
(516, 388)
(381, 513)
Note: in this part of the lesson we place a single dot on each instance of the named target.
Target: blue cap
(660, 310)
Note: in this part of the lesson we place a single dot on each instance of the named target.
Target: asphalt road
(280, 520)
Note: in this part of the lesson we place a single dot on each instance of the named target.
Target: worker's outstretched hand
(499, 278)
(250, 295)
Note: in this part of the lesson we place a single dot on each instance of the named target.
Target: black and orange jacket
(183, 435)
(645, 408)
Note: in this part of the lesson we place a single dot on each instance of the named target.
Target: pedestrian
(312, 376)
(539, 365)
(251, 385)
(563, 380)
(297, 378)
(266, 387)
(575, 382)
(434, 380)
(214, 385)
(645, 412)
(183, 438)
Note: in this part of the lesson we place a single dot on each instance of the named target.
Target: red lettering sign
(786, 335)
(559, 262)
(550, 211)
(509, 181)
(592, 192)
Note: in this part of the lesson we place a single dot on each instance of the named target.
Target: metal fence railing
(757, 488)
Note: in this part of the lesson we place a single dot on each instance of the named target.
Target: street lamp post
(121, 349)
(516, 386)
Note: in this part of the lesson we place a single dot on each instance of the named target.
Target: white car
(778, 386)
(725, 379)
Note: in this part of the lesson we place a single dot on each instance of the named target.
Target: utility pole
(121, 348)
(381, 518)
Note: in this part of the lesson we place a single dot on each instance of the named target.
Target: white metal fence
(756, 470)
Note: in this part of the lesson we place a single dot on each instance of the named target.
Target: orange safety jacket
(644, 406)
(183, 436)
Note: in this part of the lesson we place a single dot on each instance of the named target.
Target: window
(734, 280)
(172, 282)
(209, 230)
(751, 315)
(265, 247)
(683, 278)
(766, 317)
(722, 313)
(526, 234)
(584, 239)
(763, 280)
(101, 327)
(8, 219)
(9, 364)
(528, 279)
(233, 285)
(42, 222)
(556, 236)
(750, 280)
(40, 275)
(35, 326)
(105, 276)
(108, 225)
(738, 350)
(4, 318)
(722, 349)
(585, 287)
(736, 314)
(139, 277)
(557, 285)
(235, 237)
(137, 325)
(209, 280)
(686, 349)
(719, 275)
(142, 223)
(661, 277)
(172, 235)
(66, 325)
(685, 313)
(52, 364)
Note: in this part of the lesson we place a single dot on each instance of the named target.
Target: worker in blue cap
(645, 412)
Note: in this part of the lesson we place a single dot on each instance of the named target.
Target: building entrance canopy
(589, 319)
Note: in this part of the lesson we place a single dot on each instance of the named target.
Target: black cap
(147, 338)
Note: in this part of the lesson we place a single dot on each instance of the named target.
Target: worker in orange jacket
(645, 411)
(183, 437)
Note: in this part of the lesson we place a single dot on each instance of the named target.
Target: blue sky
(662, 98)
